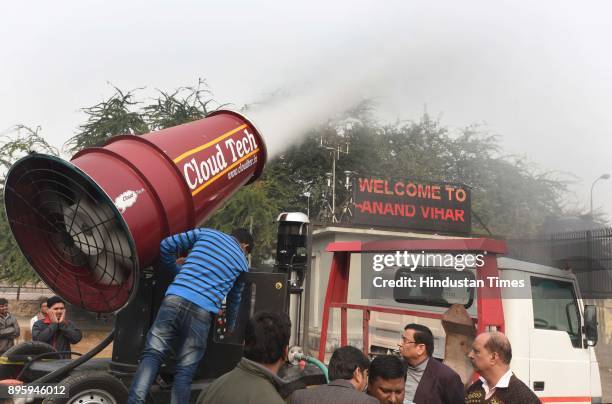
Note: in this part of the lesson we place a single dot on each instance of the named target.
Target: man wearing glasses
(427, 379)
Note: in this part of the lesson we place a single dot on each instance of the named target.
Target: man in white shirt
(490, 356)
(42, 313)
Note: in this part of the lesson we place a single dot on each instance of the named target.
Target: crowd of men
(415, 377)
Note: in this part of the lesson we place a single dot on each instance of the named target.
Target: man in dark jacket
(55, 330)
(490, 356)
(427, 379)
(9, 328)
(254, 380)
(348, 372)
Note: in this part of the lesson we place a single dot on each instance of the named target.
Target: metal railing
(586, 253)
(366, 313)
(26, 291)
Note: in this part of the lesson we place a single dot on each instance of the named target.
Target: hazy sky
(538, 74)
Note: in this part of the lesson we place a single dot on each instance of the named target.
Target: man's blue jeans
(181, 328)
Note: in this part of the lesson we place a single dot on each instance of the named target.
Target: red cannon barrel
(88, 225)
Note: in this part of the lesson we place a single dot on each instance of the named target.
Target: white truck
(539, 308)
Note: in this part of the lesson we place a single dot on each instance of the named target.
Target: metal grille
(587, 253)
(71, 233)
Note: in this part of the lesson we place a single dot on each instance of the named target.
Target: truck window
(436, 294)
(555, 307)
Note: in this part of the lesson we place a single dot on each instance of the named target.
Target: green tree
(14, 268)
(183, 105)
(110, 117)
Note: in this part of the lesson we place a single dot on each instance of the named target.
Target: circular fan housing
(71, 233)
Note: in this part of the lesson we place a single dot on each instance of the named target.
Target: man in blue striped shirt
(207, 275)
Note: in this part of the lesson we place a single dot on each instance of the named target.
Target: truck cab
(548, 333)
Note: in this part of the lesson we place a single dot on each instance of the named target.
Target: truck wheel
(95, 387)
(23, 352)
